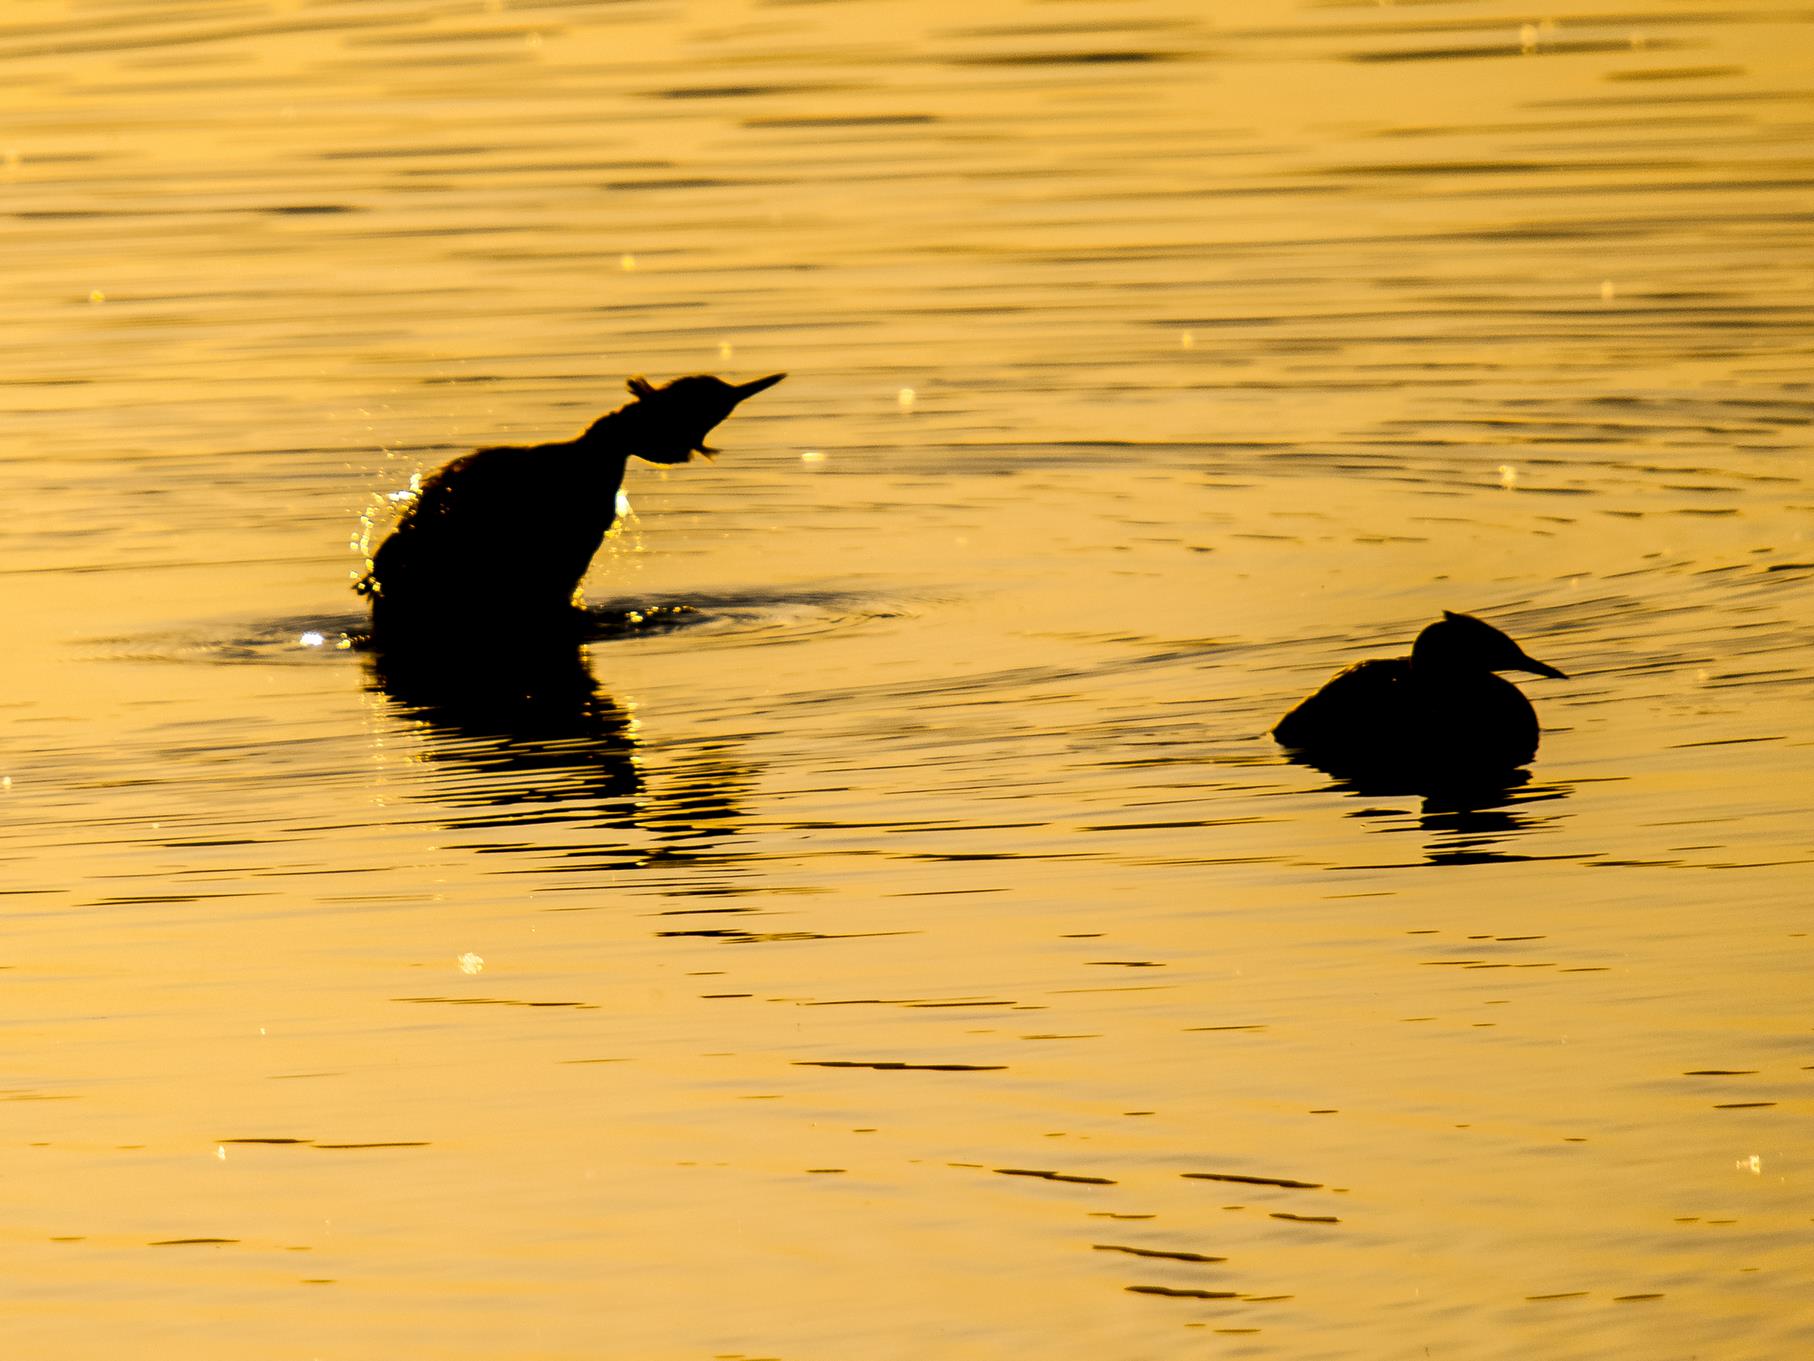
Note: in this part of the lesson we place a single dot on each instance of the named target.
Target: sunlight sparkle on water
(470, 963)
(312, 639)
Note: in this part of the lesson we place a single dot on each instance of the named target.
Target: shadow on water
(527, 741)
(1470, 827)
(530, 744)
(1465, 817)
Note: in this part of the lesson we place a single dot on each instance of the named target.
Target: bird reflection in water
(1471, 831)
(1463, 821)
(531, 744)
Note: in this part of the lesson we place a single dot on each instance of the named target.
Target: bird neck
(596, 459)
(614, 432)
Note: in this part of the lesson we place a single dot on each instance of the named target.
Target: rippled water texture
(896, 936)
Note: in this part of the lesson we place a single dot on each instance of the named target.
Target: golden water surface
(915, 947)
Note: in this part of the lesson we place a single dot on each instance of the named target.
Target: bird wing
(1351, 708)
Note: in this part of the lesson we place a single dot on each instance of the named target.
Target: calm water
(914, 946)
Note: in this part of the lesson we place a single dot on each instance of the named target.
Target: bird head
(672, 421)
(1462, 642)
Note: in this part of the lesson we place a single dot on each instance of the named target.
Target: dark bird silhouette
(497, 541)
(1438, 715)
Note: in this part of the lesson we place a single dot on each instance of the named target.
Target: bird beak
(1538, 668)
(751, 389)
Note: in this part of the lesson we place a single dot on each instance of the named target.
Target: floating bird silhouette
(497, 541)
(1439, 713)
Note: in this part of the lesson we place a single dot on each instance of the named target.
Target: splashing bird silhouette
(498, 540)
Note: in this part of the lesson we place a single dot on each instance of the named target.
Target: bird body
(1440, 711)
(499, 540)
